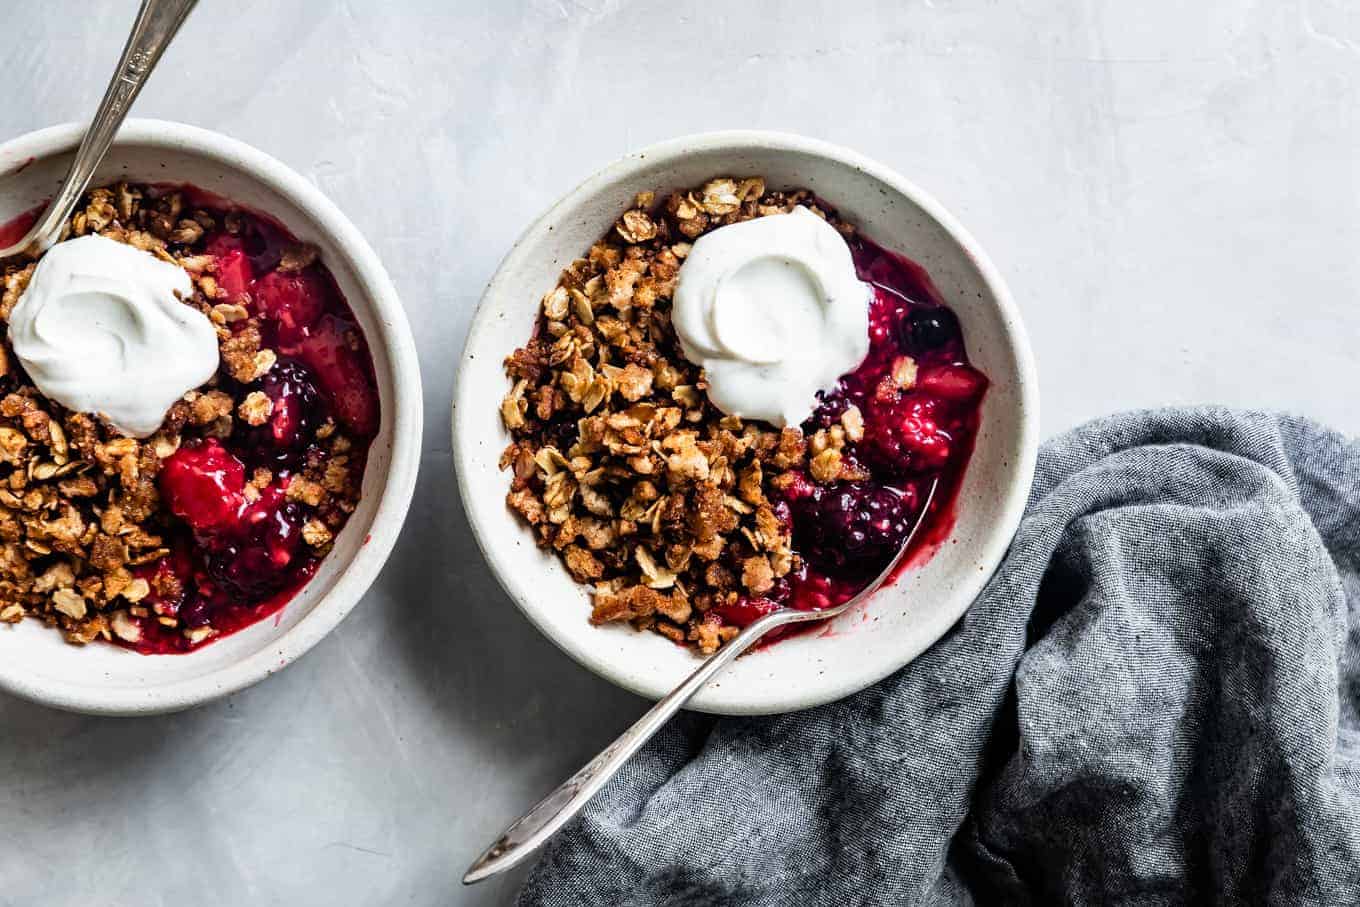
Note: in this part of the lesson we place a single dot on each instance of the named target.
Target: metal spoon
(157, 22)
(539, 824)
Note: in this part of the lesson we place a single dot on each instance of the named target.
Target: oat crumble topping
(82, 525)
(619, 462)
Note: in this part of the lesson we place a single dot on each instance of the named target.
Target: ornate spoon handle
(157, 23)
(541, 822)
(526, 833)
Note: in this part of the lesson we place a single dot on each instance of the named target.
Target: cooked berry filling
(297, 410)
(920, 400)
(243, 554)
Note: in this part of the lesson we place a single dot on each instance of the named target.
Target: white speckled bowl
(900, 621)
(35, 662)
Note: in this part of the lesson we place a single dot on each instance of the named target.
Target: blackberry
(259, 563)
(853, 525)
(297, 412)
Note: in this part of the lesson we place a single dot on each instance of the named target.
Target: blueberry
(932, 328)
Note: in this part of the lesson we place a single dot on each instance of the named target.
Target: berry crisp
(692, 523)
(167, 543)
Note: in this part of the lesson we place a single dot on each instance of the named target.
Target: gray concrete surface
(1169, 187)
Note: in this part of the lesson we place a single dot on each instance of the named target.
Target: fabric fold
(1156, 699)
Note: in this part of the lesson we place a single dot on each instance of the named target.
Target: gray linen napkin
(1155, 701)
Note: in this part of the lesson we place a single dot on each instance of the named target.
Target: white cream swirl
(773, 311)
(101, 329)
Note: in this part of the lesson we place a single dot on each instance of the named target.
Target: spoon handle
(555, 810)
(156, 25)
(539, 824)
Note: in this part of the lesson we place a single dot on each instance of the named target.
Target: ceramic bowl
(35, 662)
(901, 620)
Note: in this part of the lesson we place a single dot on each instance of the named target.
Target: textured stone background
(1170, 188)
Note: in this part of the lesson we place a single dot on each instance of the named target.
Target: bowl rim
(828, 688)
(394, 335)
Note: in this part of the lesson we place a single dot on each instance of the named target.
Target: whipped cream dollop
(101, 329)
(773, 311)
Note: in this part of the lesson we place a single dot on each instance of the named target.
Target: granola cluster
(82, 526)
(620, 463)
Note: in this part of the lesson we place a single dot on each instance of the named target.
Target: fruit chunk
(811, 591)
(202, 484)
(293, 301)
(233, 271)
(341, 372)
(746, 611)
(952, 382)
(256, 561)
